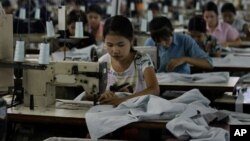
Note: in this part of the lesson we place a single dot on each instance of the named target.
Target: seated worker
(128, 70)
(176, 51)
(229, 16)
(95, 24)
(155, 9)
(8, 7)
(222, 31)
(72, 18)
(197, 29)
(33, 26)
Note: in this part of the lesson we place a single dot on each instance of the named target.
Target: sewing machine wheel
(93, 55)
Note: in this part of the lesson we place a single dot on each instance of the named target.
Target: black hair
(228, 7)
(153, 6)
(6, 3)
(210, 6)
(96, 9)
(160, 27)
(197, 23)
(118, 25)
(75, 16)
(78, 2)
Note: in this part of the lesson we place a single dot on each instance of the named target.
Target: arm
(149, 42)
(152, 87)
(234, 43)
(196, 56)
(196, 62)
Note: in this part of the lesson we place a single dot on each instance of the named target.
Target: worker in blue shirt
(176, 51)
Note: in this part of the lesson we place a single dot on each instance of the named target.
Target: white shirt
(132, 75)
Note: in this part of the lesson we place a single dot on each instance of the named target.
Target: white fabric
(74, 54)
(240, 50)
(213, 77)
(231, 61)
(65, 139)
(133, 75)
(104, 119)
(196, 129)
(236, 117)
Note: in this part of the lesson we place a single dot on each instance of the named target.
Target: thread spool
(19, 51)
(197, 6)
(22, 13)
(182, 3)
(50, 29)
(44, 53)
(175, 3)
(165, 9)
(181, 19)
(143, 26)
(132, 6)
(37, 14)
(83, 8)
(79, 30)
(149, 15)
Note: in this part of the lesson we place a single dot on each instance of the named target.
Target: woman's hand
(110, 98)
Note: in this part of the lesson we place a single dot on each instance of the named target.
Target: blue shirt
(181, 46)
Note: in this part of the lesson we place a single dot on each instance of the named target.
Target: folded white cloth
(231, 60)
(241, 50)
(213, 77)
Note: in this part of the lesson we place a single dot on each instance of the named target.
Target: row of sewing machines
(35, 85)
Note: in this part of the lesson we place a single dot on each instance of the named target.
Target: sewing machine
(40, 85)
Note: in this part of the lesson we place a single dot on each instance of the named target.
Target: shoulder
(149, 42)
(225, 26)
(181, 36)
(183, 39)
(142, 58)
(104, 58)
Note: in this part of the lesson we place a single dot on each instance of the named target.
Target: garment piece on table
(83, 54)
(64, 139)
(193, 123)
(213, 77)
(232, 60)
(196, 129)
(237, 117)
(103, 119)
(240, 50)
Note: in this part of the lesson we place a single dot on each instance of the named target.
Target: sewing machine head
(92, 76)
